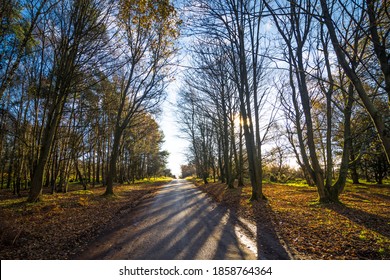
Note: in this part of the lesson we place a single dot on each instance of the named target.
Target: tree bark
(111, 174)
(338, 187)
(48, 139)
(379, 45)
(226, 146)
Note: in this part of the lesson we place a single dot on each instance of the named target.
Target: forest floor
(357, 228)
(62, 223)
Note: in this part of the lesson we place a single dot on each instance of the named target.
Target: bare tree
(311, 80)
(210, 77)
(237, 24)
(377, 32)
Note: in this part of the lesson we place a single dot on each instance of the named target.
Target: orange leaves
(358, 229)
(61, 224)
(149, 13)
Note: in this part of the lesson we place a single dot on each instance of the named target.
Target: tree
(149, 30)
(18, 22)
(198, 128)
(236, 25)
(377, 12)
(217, 101)
(311, 80)
(78, 40)
(187, 170)
(60, 102)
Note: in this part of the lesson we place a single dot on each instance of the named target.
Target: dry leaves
(359, 228)
(62, 224)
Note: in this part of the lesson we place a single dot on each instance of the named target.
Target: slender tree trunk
(241, 158)
(338, 187)
(222, 170)
(47, 141)
(111, 174)
(2, 170)
(229, 178)
(353, 167)
(93, 168)
(97, 173)
(317, 170)
(78, 172)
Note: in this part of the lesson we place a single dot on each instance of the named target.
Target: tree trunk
(111, 174)
(338, 187)
(240, 170)
(228, 172)
(222, 170)
(248, 126)
(317, 174)
(353, 166)
(48, 139)
(97, 173)
(374, 113)
(78, 172)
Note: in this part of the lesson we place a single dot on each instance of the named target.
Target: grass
(153, 180)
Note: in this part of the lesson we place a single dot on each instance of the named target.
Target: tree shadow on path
(179, 223)
(269, 244)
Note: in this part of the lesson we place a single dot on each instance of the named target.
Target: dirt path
(180, 222)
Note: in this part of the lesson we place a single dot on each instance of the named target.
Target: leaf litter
(357, 228)
(62, 224)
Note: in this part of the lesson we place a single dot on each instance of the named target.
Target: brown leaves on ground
(357, 228)
(61, 224)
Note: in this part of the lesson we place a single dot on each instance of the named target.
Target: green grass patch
(86, 192)
(153, 180)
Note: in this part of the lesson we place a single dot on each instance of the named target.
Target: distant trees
(79, 84)
(187, 170)
(367, 158)
(199, 131)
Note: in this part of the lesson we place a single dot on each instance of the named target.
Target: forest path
(180, 222)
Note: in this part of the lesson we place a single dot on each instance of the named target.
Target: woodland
(273, 80)
(285, 106)
(80, 82)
